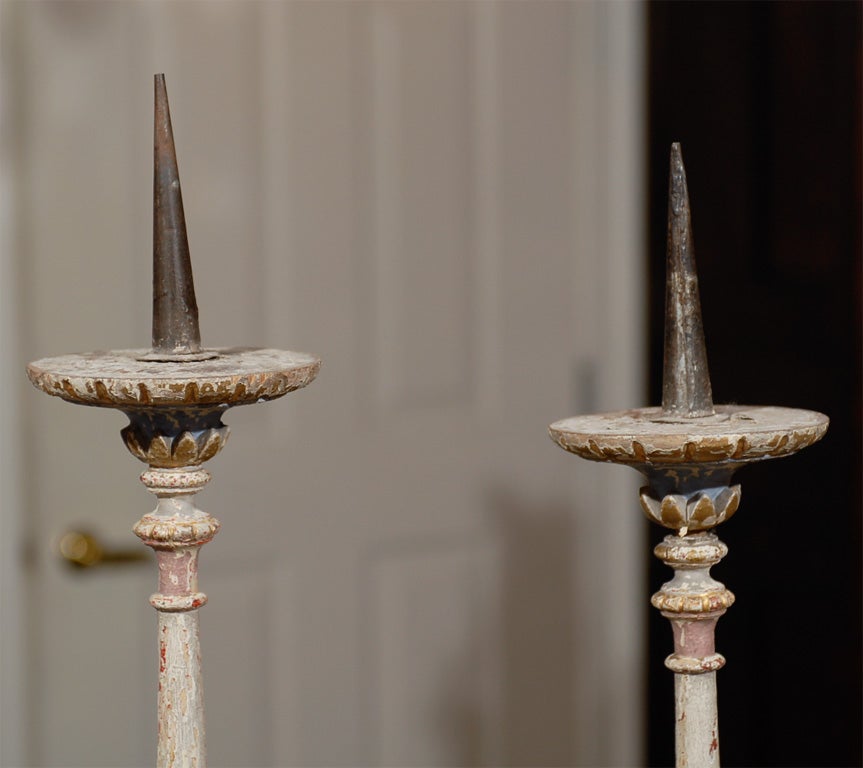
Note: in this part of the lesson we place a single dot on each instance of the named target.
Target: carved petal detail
(212, 442)
(696, 512)
(183, 450)
(159, 450)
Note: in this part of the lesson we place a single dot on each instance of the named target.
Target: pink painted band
(694, 639)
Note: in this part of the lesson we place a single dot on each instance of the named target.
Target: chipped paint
(736, 434)
(181, 700)
(119, 379)
(176, 530)
(174, 395)
(696, 724)
(689, 450)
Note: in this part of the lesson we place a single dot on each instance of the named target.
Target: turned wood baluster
(177, 530)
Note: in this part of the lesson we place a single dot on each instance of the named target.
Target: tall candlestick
(689, 450)
(174, 395)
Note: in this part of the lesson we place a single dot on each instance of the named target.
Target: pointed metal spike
(686, 387)
(175, 311)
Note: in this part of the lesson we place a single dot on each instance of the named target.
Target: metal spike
(686, 388)
(175, 311)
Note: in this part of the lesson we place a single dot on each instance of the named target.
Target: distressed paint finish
(175, 412)
(121, 379)
(693, 601)
(688, 450)
(176, 530)
(696, 731)
(646, 437)
(175, 395)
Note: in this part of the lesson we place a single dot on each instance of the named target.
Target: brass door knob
(81, 549)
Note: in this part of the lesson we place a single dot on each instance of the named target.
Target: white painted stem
(176, 530)
(181, 699)
(697, 728)
(694, 602)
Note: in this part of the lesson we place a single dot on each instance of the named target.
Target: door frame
(14, 662)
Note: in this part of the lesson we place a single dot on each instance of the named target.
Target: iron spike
(686, 387)
(175, 311)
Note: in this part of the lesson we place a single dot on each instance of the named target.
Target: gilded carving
(182, 450)
(158, 531)
(120, 379)
(694, 512)
(736, 434)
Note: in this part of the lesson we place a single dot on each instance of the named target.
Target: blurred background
(460, 207)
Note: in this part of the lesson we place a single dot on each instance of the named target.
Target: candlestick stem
(176, 530)
(693, 601)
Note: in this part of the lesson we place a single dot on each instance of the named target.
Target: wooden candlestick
(688, 450)
(174, 395)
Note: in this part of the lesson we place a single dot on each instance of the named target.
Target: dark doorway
(766, 101)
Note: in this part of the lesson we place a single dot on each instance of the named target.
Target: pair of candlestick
(175, 394)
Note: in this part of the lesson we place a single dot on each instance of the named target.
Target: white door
(443, 201)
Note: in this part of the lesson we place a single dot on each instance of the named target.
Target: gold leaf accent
(728, 501)
(214, 441)
(159, 450)
(701, 512)
(672, 510)
(649, 505)
(185, 449)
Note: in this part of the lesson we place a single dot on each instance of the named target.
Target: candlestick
(688, 451)
(174, 395)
